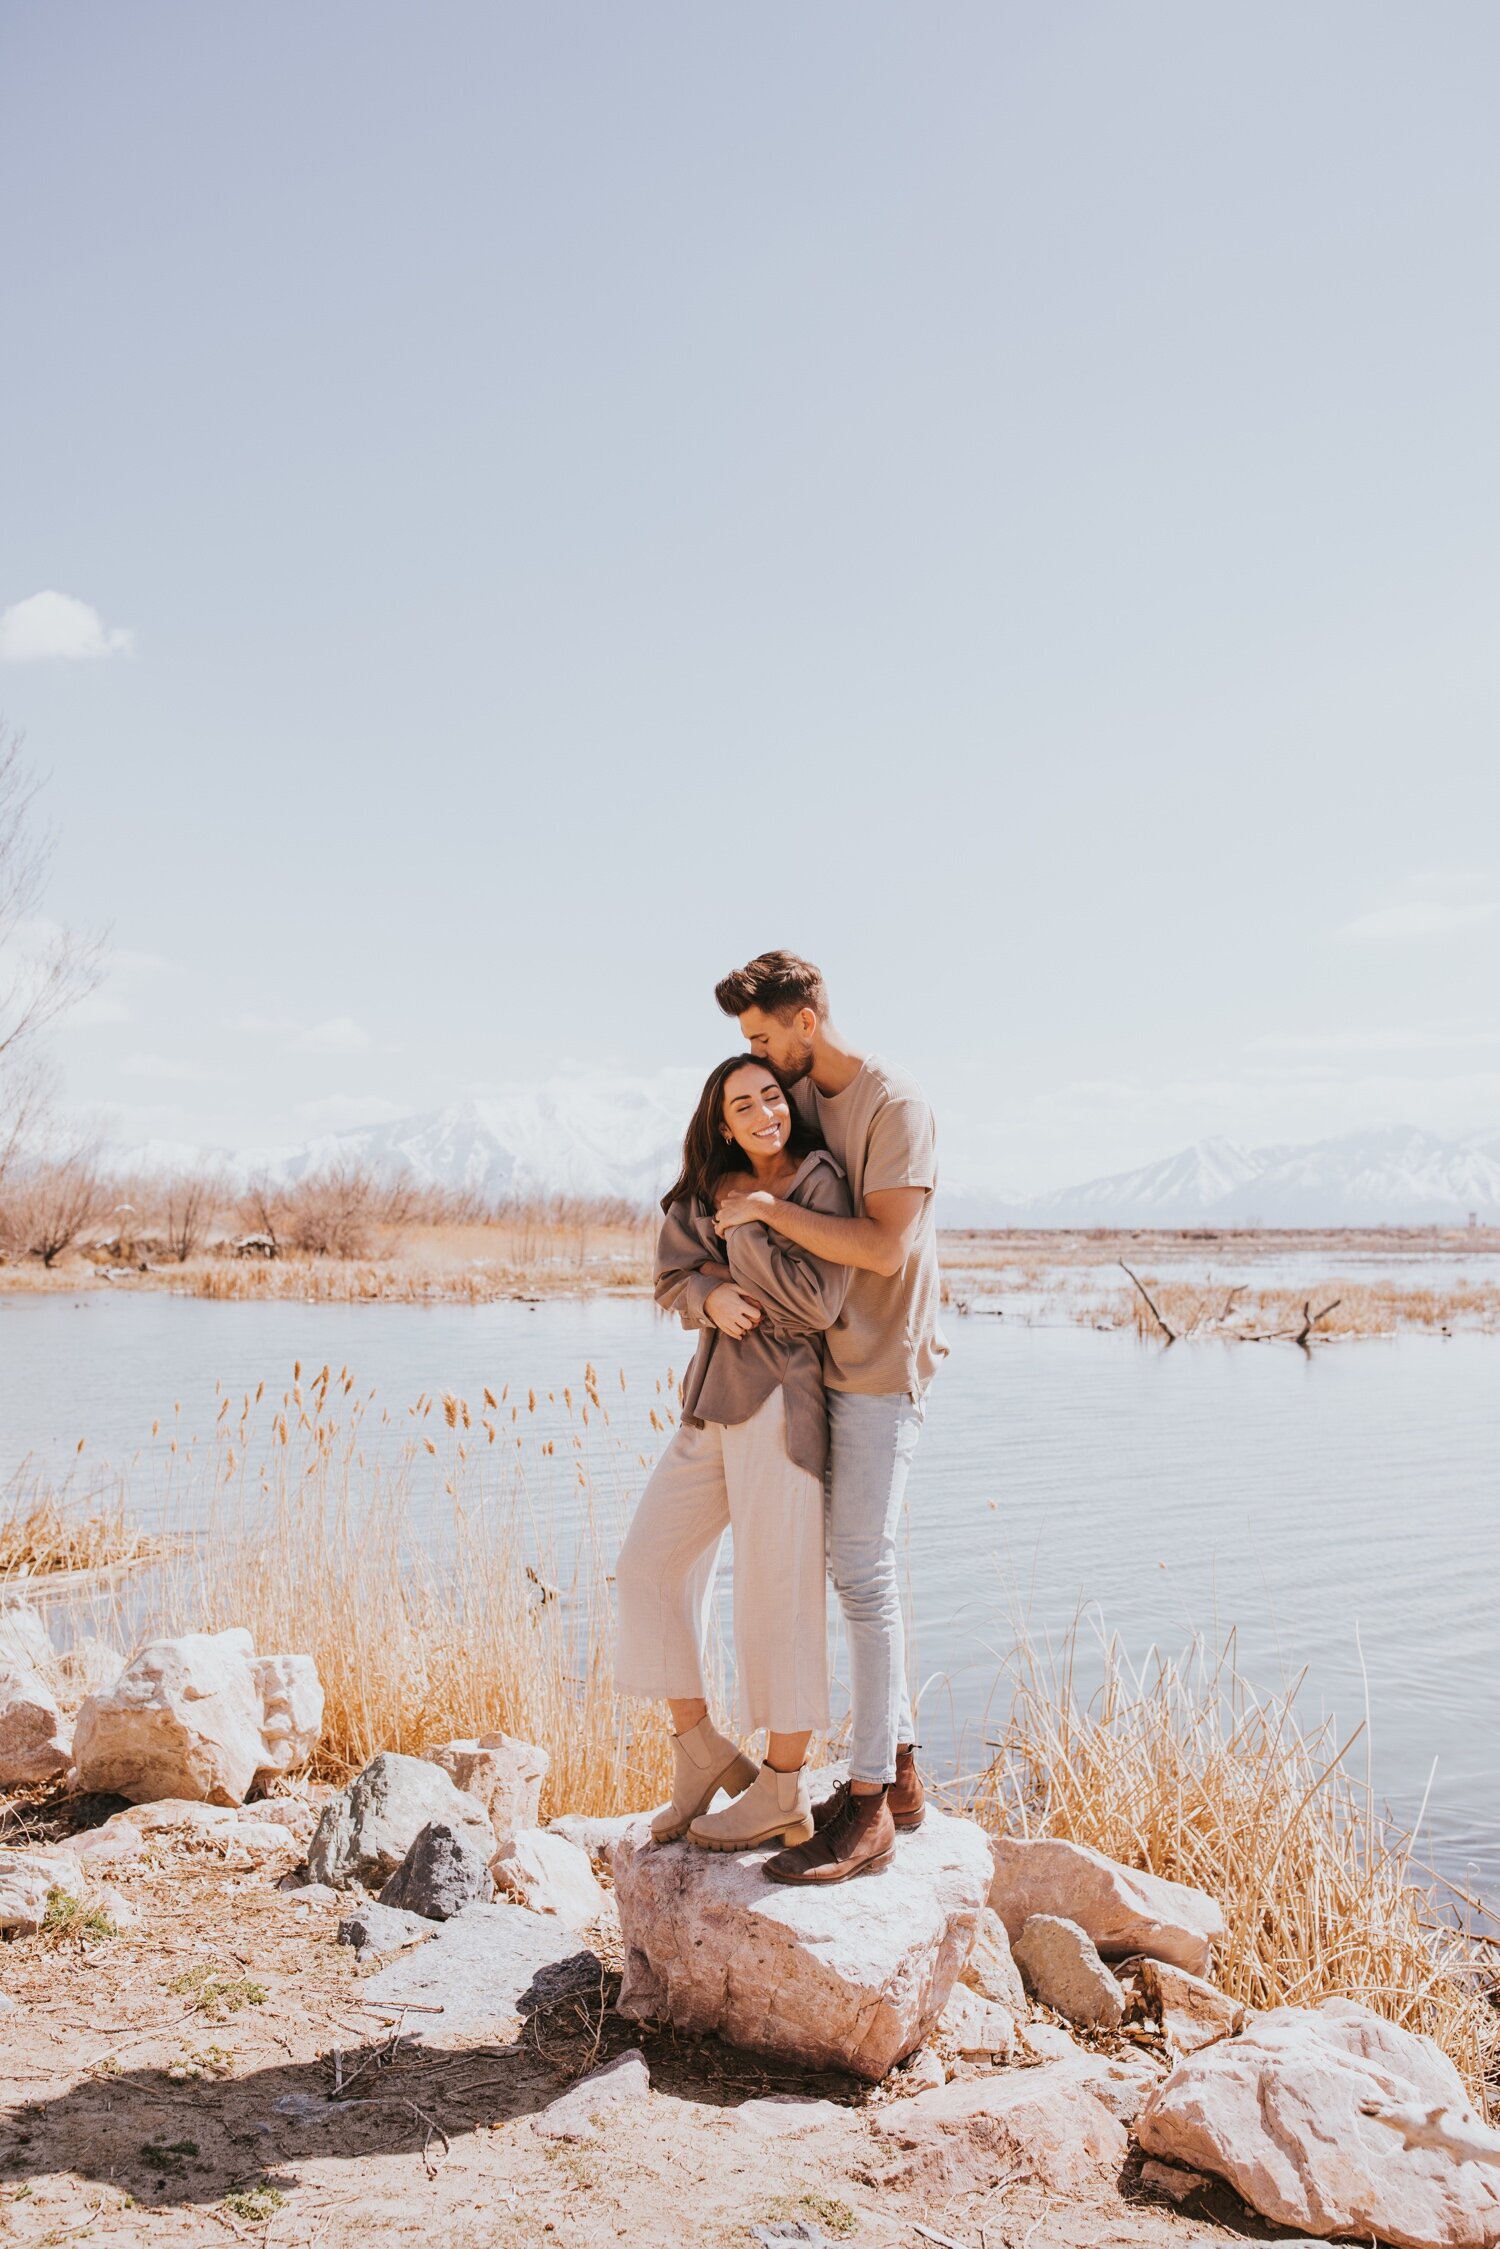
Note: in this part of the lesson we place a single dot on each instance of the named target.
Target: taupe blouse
(800, 1295)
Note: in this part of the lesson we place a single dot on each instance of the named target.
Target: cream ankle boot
(775, 1808)
(703, 1762)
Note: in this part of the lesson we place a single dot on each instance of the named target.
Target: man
(881, 1354)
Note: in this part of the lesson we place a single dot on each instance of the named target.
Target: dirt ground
(213, 2071)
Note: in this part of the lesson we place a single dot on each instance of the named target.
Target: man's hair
(781, 983)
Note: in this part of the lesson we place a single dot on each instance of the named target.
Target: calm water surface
(1340, 1512)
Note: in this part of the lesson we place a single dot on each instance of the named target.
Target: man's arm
(879, 1242)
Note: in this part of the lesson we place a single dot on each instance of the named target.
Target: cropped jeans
(871, 1441)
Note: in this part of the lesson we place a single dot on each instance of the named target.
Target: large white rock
(848, 1976)
(199, 1716)
(1278, 2112)
(366, 1830)
(27, 1881)
(34, 1737)
(1121, 1909)
(503, 1773)
(990, 1970)
(1062, 1969)
(551, 1875)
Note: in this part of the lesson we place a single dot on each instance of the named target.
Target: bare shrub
(187, 1202)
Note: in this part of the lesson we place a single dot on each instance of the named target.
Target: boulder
(35, 1743)
(1191, 2013)
(28, 1879)
(503, 1774)
(1062, 1969)
(549, 1874)
(851, 1976)
(598, 1834)
(990, 1970)
(976, 2131)
(485, 1972)
(975, 2028)
(578, 2113)
(444, 1871)
(1121, 1909)
(366, 1830)
(783, 2116)
(1279, 2113)
(291, 1712)
(187, 1717)
(374, 1928)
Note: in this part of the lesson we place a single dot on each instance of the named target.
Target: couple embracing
(799, 1241)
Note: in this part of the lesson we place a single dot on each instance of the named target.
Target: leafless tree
(45, 1206)
(187, 1201)
(42, 970)
(262, 1209)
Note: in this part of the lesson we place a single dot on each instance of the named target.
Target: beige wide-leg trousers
(736, 1476)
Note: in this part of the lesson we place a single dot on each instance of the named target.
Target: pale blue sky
(1001, 498)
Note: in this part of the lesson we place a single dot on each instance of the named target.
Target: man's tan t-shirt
(886, 1340)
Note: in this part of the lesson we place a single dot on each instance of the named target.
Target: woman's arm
(789, 1279)
(690, 1275)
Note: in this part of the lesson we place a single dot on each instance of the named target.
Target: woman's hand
(731, 1310)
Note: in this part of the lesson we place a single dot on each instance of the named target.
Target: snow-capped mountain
(588, 1136)
(1397, 1176)
(622, 1137)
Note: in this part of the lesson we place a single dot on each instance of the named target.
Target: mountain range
(619, 1136)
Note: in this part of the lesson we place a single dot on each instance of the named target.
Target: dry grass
(422, 1574)
(1327, 1308)
(41, 1535)
(1186, 1771)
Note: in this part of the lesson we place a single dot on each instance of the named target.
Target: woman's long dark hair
(707, 1155)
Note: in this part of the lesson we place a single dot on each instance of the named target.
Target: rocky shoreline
(568, 2032)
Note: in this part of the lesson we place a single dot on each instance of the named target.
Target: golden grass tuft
(41, 1535)
(1182, 1769)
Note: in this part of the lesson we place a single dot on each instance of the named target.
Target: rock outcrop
(1280, 2113)
(35, 1741)
(852, 1976)
(975, 2028)
(578, 2113)
(28, 1880)
(1190, 2012)
(199, 1716)
(1122, 1910)
(444, 1871)
(1062, 1969)
(549, 1874)
(502, 1773)
(990, 1968)
(976, 2131)
(365, 1831)
(483, 1973)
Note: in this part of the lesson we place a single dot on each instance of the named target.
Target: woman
(749, 1453)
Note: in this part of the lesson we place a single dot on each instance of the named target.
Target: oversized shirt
(800, 1296)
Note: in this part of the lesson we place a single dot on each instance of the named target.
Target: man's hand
(731, 1310)
(742, 1210)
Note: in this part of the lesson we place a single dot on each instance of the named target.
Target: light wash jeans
(870, 1447)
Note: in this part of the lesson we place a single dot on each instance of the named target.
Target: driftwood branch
(1151, 1308)
(1447, 2129)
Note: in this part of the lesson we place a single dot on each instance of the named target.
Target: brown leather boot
(906, 1796)
(860, 1838)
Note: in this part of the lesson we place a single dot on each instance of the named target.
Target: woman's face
(756, 1115)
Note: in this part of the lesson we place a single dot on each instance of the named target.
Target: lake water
(1339, 1511)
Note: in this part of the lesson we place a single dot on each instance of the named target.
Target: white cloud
(53, 625)
(1435, 904)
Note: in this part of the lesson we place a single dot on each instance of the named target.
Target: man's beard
(792, 1073)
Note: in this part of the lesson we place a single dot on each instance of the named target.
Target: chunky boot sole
(794, 1831)
(734, 1780)
(844, 1874)
(906, 1821)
